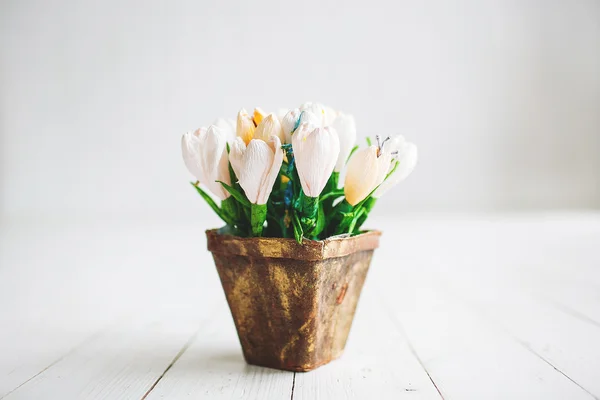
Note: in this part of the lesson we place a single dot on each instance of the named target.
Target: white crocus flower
(366, 170)
(269, 126)
(205, 156)
(407, 155)
(290, 121)
(245, 126)
(346, 129)
(256, 166)
(317, 109)
(316, 151)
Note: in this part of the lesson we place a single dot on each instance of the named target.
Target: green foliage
(289, 213)
(220, 212)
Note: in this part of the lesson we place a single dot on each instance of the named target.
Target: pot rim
(311, 250)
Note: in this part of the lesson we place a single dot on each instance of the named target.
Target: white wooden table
(488, 307)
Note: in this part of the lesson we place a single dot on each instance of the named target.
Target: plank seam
(87, 340)
(478, 310)
(573, 313)
(293, 386)
(400, 327)
(175, 359)
(552, 365)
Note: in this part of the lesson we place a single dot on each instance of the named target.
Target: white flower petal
(227, 127)
(407, 156)
(266, 185)
(269, 126)
(190, 149)
(245, 126)
(315, 152)
(288, 123)
(256, 166)
(205, 155)
(317, 109)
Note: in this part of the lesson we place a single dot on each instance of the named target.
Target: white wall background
(502, 97)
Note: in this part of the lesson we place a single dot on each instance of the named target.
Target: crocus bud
(316, 151)
(258, 115)
(269, 126)
(281, 113)
(245, 126)
(227, 127)
(317, 109)
(205, 156)
(256, 166)
(294, 118)
(366, 170)
(288, 123)
(406, 154)
(346, 129)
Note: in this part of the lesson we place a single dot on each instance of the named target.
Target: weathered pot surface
(292, 303)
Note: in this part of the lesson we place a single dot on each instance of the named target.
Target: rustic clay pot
(292, 304)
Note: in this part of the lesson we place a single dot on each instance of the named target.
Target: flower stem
(367, 207)
(258, 216)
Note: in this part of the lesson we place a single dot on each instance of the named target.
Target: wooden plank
(213, 368)
(377, 363)
(123, 363)
(59, 296)
(543, 290)
(568, 343)
(467, 357)
(26, 353)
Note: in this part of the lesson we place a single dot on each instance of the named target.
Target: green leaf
(297, 227)
(230, 207)
(232, 177)
(214, 205)
(367, 207)
(236, 194)
(368, 141)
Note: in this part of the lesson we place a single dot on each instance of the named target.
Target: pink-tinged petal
(268, 127)
(256, 163)
(273, 172)
(190, 149)
(236, 156)
(315, 152)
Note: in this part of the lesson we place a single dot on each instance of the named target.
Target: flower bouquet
(292, 257)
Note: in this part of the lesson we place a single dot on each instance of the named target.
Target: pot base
(292, 368)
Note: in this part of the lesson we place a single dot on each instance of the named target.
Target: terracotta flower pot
(292, 304)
